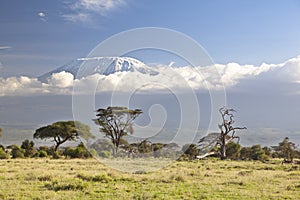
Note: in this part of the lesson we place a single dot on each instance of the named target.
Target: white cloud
(60, 83)
(79, 17)
(289, 71)
(99, 6)
(20, 86)
(4, 47)
(41, 14)
(61, 80)
(82, 10)
(184, 78)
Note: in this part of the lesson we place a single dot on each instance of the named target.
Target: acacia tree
(115, 122)
(63, 131)
(286, 150)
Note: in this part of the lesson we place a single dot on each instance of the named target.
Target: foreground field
(205, 179)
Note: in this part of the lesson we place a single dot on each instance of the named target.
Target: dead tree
(226, 135)
(227, 130)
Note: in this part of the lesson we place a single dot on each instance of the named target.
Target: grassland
(205, 179)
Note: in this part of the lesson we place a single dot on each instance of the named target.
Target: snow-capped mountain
(83, 67)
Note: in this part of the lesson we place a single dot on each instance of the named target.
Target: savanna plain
(44, 178)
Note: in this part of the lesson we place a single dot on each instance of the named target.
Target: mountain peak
(83, 67)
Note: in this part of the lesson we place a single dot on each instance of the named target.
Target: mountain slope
(101, 65)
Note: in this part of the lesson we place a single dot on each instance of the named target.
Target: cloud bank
(216, 77)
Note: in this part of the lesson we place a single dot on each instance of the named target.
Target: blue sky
(38, 36)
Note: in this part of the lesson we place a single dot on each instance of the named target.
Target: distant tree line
(116, 122)
(28, 150)
(103, 148)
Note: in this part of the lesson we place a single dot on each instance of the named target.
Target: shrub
(3, 154)
(2, 147)
(45, 148)
(233, 150)
(105, 154)
(93, 152)
(42, 154)
(28, 147)
(79, 152)
(82, 152)
(268, 151)
(56, 155)
(190, 150)
(17, 151)
(257, 153)
(245, 153)
(69, 152)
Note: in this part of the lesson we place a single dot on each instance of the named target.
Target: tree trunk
(56, 147)
(116, 151)
(223, 148)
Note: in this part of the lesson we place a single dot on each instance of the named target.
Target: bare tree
(227, 134)
(227, 129)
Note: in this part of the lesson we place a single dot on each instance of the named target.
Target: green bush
(17, 152)
(93, 152)
(3, 154)
(233, 150)
(105, 154)
(56, 155)
(49, 152)
(28, 147)
(2, 147)
(257, 153)
(245, 153)
(69, 152)
(79, 152)
(42, 154)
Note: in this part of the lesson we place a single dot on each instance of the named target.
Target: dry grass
(89, 179)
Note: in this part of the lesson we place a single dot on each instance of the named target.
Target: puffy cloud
(60, 83)
(289, 71)
(20, 86)
(216, 77)
(61, 80)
